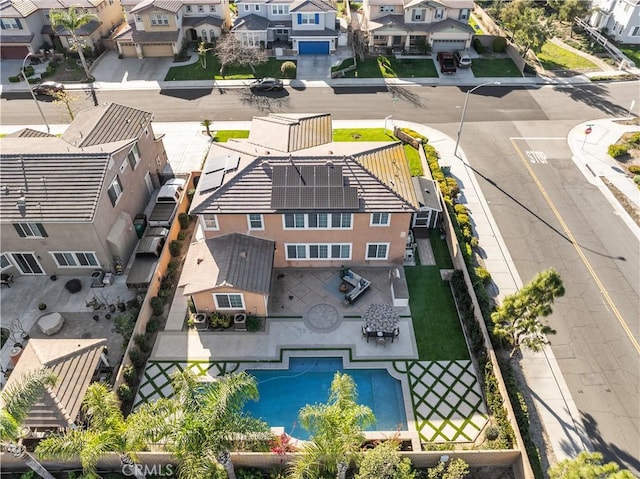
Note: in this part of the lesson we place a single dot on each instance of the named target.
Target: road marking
(536, 156)
(593, 274)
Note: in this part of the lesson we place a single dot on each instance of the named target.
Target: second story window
(134, 157)
(439, 13)
(387, 8)
(280, 9)
(308, 18)
(138, 18)
(30, 230)
(115, 190)
(257, 7)
(464, 14)
(10, 24)
(212, 8)
(246, 7)
(159, 19)
(200, 8)
(380, 219)
(210, 222)
(255, 221)
(4, 262)
(189, 9)
(418, 15)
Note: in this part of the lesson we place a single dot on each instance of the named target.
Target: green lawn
(225, 135)
(440, 250)
(435, 320)
(494, 67)
(553, 57)
(399, 68)
(195, 71)
(633, 53)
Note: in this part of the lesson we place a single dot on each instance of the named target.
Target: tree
(528, 25)
(231, 51)
(17, 400)
(207, 125)
(455, 469)
(202, 54)
(106, 431)
(588, 465)
(568, 10)
(336, 429)
(71, 20)
(202, 421)
(384, 462)
(517, 321)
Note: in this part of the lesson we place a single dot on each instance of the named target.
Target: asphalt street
(547, 211)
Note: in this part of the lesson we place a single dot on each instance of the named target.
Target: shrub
(616, 151)
(16, 79)
(28, 70)
(636, 180)
(288, 69)
(190, 193)
(634, 139)
(175, 247)
(635, 169)
(415, 134)
(253, 324)
(157, 305)
(460, 209)
(499, 44)
(124, 392)
(492, 433)
(143, 342)
(483, 275)
(138, 357)
(124, 324)
(130, 375)
(183, 219)
(478, 46)
(173, 265)
(152, 326)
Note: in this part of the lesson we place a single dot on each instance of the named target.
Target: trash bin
(140, 224)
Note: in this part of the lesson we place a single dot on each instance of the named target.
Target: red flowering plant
(283, 444)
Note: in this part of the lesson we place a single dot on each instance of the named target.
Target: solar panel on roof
(212, 180)
(231, 163)
(215, 164)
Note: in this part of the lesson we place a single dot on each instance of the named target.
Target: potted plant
(42, 306)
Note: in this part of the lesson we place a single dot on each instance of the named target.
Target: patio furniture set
(360, 285)
(380, 323)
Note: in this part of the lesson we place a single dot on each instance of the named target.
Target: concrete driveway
(112, 69)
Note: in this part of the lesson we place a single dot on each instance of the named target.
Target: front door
(27, 263)
(148, 183)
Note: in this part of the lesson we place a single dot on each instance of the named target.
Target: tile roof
(10, 39)
(291, 132)
(86, 29)
(105, 124)
(17, 8)
(311, 6)
(236, 260)
(29, 133)
(427, 193)
(449, 24)
(73, 361)
(197, 21)
(250, 22)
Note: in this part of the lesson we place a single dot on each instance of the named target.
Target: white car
(463, 60)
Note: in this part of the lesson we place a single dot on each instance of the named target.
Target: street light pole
(33, 95)
(464, 111)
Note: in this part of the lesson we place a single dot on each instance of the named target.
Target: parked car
(266, 84)
(463, 60)
(48, 88)
(447, 62)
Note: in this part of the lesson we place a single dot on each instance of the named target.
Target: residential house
(67, 203)
(413, 25)
(306, 26)
(75, 362)
(619, 19)
(312, 202)
(26, 25)
(161, 28)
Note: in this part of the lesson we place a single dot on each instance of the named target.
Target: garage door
(13, 53)
(313, 48)
(447, 45)
(128, 50)
(157, 50)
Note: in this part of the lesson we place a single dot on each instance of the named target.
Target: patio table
(381, 318)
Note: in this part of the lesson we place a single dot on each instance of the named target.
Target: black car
(266, 84)
(48, 88)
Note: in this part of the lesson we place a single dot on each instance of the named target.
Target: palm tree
(17, 400)
(201, 422)
(207, 125)
(107, 431)
(336, 429)
(72, 20)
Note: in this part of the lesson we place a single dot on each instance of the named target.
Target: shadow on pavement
(343, 90)
(267, 101)
(187, 93)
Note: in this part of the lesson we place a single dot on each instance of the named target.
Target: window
(134, 156)
(46, 15)
(138, 18)
(30, 230)
(115, 190)
(229, 301)
(200, 8)
(210, 222)
(212, 9)
(439, 13)
(203, 34)
(250, 39)
(4, 262)
(255, 221)
(635, 32)
(79, 259)
(380, 219)
(257, 7)
(280, 9)
(159, 19)
(246, 7)
(212, 35)
(189, 9)
(418, 15)
(317, 221)
(464, 14)
(387, 8)
(377, 250)
(307, 19)
(10, 24)
(319, 251)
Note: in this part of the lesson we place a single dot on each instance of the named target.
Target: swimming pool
(283, 392)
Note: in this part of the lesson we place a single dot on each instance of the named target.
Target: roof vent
(199, 260)
(22, 202)
(5, 189)
(243, 254)
(329, 163)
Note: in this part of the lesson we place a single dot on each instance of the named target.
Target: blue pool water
(284, 392)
